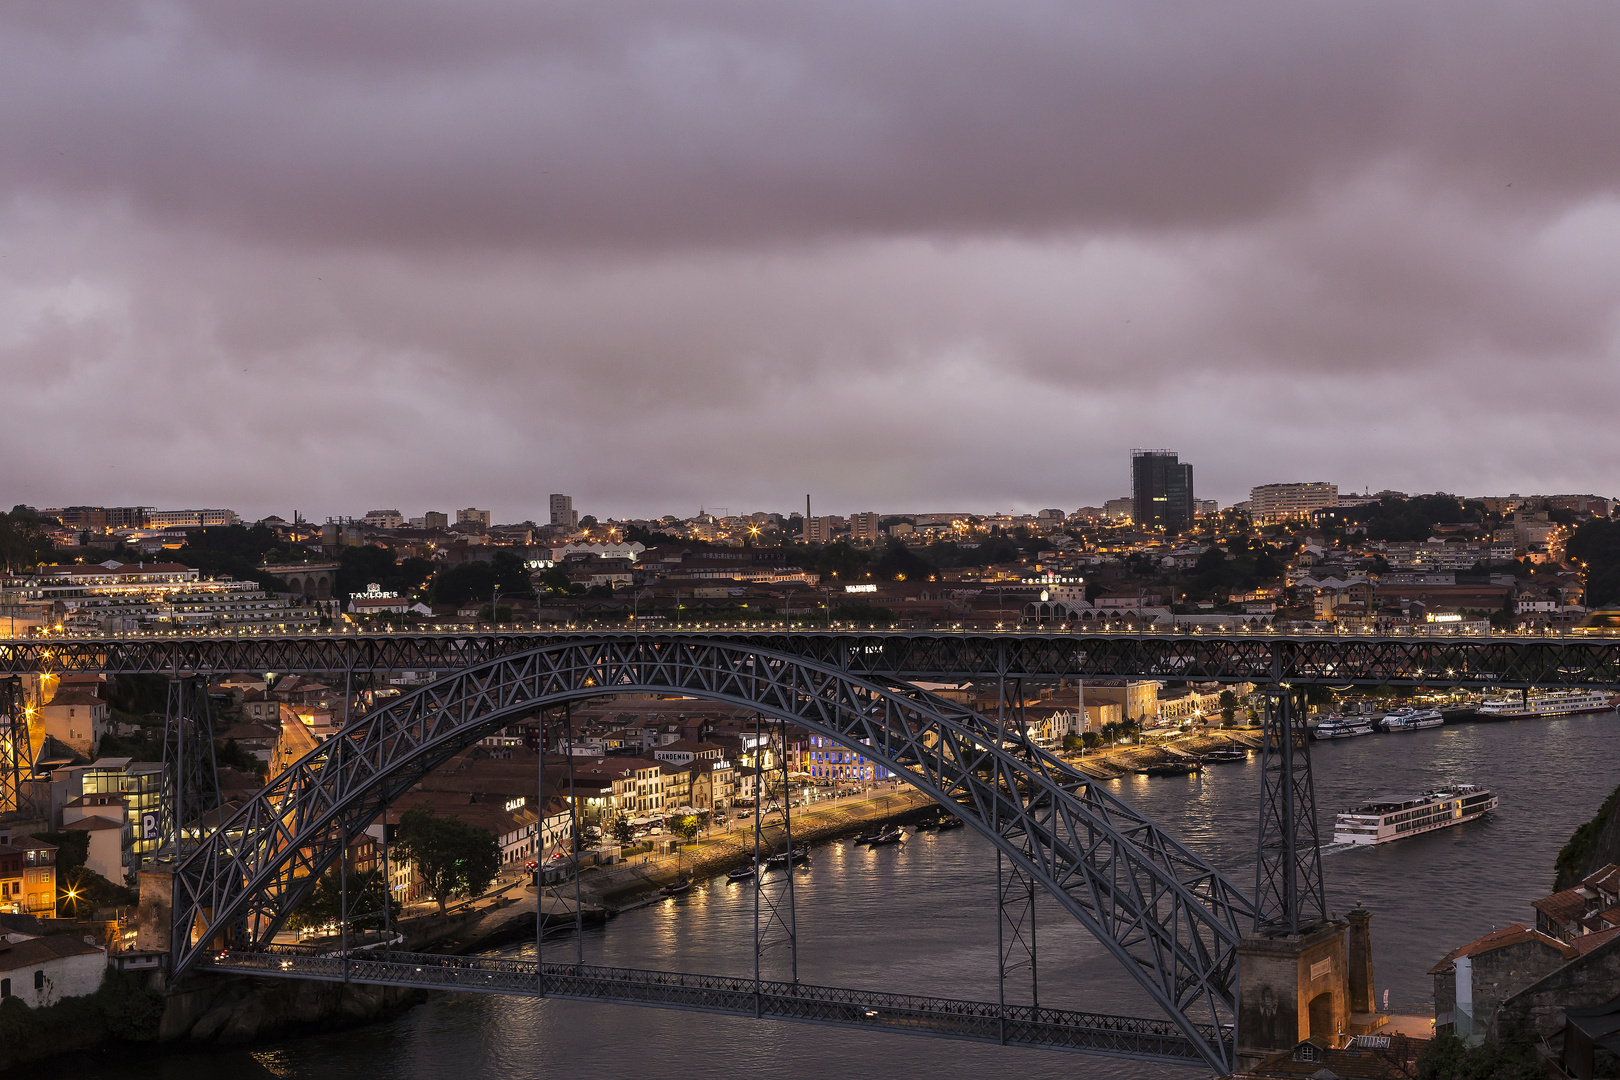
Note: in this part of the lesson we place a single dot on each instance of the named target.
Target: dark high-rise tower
(1161, 490)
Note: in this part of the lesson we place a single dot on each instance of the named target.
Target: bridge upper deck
(1508, 660)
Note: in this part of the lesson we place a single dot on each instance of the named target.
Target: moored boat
(676, 888)
(889, 836)
(1411, 719)
(742, 873)
(1541, 706)
(1342, 727)
(950, 823)
(1226, 754)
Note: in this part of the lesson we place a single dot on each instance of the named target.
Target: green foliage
(368, 892)
(1408, 520)
(1597, 544)
(623, 831)
(1091, 740)
(477, 580)
(1575, 859)
(360, 567)
(138, 695)
(83, 890)
(1449, 1058)
(451, 857)
(687, 827)
(900, 563)
(23, 544)
(1228, 703)
(238, 758)
(230, 550)
(1072, 742)
(73, 848)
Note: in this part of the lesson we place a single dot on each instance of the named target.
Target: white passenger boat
(1540, 706)
(1379, 823)
(1410, 719)
(1342, 727)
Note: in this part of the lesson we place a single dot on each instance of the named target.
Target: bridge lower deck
(1011, 1025)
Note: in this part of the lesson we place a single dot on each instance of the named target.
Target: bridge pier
(1291, 987)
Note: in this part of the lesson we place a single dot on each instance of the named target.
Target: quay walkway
(978, 1021)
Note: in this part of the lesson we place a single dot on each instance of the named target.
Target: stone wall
(1593, 979)
(232, 1010)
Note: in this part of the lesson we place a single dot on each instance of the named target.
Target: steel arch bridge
(1170, 918)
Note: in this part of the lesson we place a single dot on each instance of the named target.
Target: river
(921, 918)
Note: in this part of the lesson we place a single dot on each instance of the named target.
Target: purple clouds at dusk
(904, 256)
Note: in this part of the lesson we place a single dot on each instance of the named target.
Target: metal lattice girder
(1506, 661)
(1020, 1025)
(1163, 912)
(16, 751)
(190, 770)
(1288, 889)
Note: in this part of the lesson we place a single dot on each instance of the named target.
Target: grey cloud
(311, 255)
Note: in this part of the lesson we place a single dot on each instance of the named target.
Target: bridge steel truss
(1169, 917)
(1504, 661)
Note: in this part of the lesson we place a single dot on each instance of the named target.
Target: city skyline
(314, 257)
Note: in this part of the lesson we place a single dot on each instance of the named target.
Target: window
(39, 979)
(5, 988)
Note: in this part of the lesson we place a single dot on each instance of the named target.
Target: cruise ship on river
(1379, 823)
(1410, 719)
(1341, 727)
(1558, 703)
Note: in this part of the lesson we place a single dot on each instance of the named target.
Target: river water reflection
(921, 918)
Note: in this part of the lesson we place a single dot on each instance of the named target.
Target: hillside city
(655, 786)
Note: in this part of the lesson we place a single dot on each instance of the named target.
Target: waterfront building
(42, 970)
(1161, 490)
(829, 762)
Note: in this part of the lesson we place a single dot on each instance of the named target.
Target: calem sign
(860, 588)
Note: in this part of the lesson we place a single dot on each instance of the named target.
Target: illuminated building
(1161, 490)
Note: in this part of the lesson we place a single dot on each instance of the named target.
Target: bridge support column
(1288, 891)
(16, 752)
(190, 771)
(1291, 987)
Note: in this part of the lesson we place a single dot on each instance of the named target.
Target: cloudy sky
(901, 255)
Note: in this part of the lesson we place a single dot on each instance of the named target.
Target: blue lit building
(829, 762)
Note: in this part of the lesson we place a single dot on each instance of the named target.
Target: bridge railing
(1026, 1025)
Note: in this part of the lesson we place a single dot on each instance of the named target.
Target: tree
(23, 543)
(623, 831)
(451, 857)
(687, 827)
(477, 580)
(368, 892)
(1228, 702)
(1072, 742)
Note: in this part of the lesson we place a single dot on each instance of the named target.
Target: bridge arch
(1172, 920)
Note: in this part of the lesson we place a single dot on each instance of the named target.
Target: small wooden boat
(742, 873)
(889, 836)
(950, 823)
(676, 888)
(926, 824)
